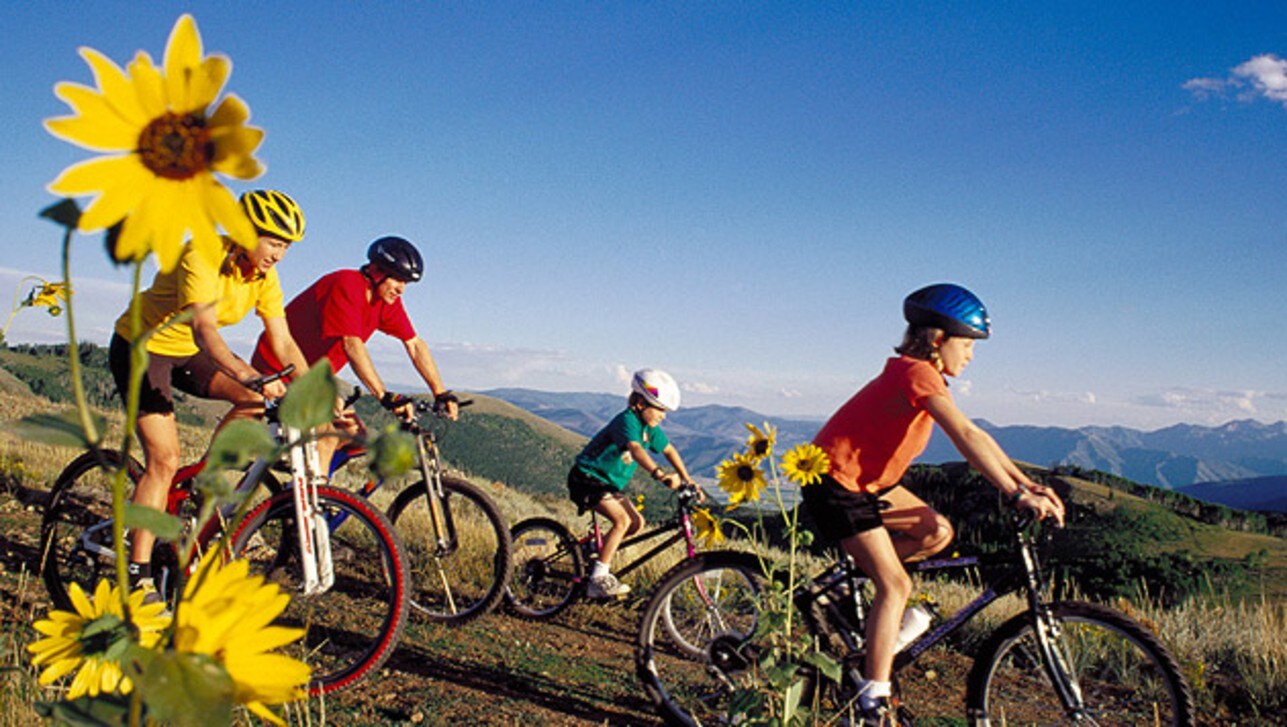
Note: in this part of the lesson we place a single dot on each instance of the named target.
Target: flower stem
(92, 435)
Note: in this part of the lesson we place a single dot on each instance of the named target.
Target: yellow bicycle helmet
(274, 213)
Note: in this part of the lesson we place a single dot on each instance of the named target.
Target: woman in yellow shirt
(191, 355)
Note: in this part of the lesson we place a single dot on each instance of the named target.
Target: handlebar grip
(258, 383)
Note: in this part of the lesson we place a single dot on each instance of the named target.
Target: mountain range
(1241, 463)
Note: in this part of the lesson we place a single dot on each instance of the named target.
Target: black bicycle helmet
(398, 258)
(949, 307)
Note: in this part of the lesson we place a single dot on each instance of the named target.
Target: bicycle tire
(694, 691)
(459, 586)
(76, 543)
(76, 530)
(1125, 674)
(353, 627)
(549, 571)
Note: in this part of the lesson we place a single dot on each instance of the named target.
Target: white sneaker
(606, 586)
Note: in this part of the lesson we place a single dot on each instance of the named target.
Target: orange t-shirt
(873, 437)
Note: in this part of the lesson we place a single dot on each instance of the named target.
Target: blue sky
(742, 193)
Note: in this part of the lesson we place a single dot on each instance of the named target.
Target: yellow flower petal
(228, 214)
(149, 86)
(182, 56)
(116, 87)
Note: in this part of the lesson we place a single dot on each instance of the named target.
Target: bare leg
(625, 521)
(159, 438)
(875, 554)
(916, 529)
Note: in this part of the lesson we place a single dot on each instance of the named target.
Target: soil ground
(574, 670)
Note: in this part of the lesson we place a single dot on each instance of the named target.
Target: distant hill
(1173, 457)
(1259, 493)
(1119, 535)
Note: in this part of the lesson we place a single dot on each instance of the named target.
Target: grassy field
(578, 669)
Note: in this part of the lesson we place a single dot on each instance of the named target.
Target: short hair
(918, 342)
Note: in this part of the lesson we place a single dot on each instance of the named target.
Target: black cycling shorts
(191, 374)
(839, 513)
(587, 490)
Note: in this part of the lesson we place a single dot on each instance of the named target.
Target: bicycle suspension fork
(1049, 633)
(312, 527)
(444, 528)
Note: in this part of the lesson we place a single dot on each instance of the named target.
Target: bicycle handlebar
(258, 383)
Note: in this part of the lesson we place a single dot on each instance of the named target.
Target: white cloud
(699, 387)
(1264, 76)
(1218, 406)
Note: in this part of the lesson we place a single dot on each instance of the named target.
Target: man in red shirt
(335, 316)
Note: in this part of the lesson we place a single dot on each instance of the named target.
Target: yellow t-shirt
(194, 281)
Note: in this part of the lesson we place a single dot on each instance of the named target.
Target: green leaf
(392, 453)
(65, 212)
(102, 711)
(824, 663)
(310, 401)
(162, 525)
(791, 700)
(186, 689)
(238, 444)
(63, 429)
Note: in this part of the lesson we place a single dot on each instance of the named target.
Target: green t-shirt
(607, 456)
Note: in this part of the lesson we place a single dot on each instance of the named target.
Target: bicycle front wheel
(76, 544)
(352, 627)
(1118, 670)
(548, 569)
(695, 640)
(459, 570)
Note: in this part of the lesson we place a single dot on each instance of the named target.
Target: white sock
(599, 569)
(870, 691)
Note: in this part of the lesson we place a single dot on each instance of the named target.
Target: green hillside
(1122, 538)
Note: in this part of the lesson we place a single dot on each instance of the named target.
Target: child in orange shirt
(872, 439)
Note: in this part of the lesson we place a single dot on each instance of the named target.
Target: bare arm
(986, 456)
(205, 331)
(283, 345)
(420, 356)
(360, 361)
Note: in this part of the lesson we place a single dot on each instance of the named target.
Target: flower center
(745, 474)
(760, 447)
(176, 147)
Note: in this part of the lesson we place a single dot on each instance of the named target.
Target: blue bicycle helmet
(949, 307)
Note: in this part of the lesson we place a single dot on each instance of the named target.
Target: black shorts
(190, 374)
(839, 513)
(587, 491)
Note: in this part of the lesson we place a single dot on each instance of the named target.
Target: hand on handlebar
(1042, 502)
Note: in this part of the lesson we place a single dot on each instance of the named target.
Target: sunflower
(91, 640)
(760, 444)
(742, 478)
(164, 146)
(805, 464)
(227, 613)
(48, 295)
(708, 530)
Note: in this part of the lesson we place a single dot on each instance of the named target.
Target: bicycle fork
(444, 528)
(313, 530)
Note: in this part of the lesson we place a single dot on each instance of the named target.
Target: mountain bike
(1058, 662)
(455, 541)
(551, 566)
(338, 557)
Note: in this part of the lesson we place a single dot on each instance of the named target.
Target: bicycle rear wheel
(351, 628)
(1124, 674)
(695, 641)
(464, 575)
(549, 571)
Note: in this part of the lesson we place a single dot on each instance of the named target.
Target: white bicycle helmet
(657, 388)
